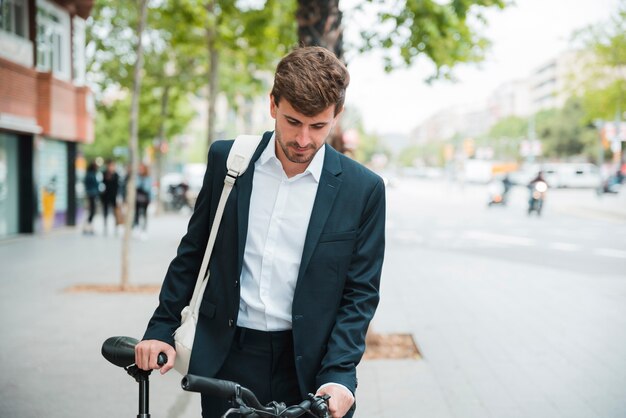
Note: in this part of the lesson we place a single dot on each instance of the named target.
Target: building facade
(46, 111)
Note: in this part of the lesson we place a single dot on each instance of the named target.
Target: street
(515, 316)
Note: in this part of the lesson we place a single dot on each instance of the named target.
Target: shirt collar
(314, 168)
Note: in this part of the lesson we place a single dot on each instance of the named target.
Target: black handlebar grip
(213, 387)
(224, 389)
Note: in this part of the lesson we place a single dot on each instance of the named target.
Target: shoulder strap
(236, 164)
(241, 153)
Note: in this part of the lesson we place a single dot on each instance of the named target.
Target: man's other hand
(341, 399)
(147, 352)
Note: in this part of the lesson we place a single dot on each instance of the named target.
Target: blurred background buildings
(46, 111)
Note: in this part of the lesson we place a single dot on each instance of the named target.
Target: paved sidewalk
(545, 344)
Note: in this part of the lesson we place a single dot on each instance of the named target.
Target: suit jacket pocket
(207, 309)
(338, 236)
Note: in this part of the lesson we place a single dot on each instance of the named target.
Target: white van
(573, 175)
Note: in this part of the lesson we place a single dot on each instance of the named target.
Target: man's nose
(303, 138)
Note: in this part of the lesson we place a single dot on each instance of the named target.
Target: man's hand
(341, 399)
(146, 353)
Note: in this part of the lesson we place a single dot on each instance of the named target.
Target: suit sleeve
(360, 298)
(182, 273)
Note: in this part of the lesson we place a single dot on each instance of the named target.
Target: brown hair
(311, 79)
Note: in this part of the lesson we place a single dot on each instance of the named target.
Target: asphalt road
(569, 235)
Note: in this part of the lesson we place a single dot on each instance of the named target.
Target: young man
(295, 271)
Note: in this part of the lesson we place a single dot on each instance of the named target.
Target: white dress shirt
(280, 210)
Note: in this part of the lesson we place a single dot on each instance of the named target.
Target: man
(295, 271)
(111, 182)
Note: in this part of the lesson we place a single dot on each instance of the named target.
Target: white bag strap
(238, 161)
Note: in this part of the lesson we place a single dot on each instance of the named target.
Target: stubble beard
(290, 153)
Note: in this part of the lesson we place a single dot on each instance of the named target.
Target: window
(78, 52)
(13, 17)
(53, 39)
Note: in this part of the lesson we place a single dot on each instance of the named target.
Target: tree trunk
(133, 145)
(319, 24)
(158, 154)
(211, 34)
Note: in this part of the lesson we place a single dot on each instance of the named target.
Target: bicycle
(120, 351)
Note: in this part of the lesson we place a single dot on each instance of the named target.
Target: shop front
(9, 191)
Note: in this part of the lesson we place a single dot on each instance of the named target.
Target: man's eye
(318, 127)
(292, 122)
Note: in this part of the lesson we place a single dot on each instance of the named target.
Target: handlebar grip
(209, 386)
(221, 389)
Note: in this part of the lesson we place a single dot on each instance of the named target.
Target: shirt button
(236, 283)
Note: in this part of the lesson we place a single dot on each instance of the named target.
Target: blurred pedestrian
(111, 181)
(144, 190)
(92, 189)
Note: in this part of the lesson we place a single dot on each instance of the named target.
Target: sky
(523, 36)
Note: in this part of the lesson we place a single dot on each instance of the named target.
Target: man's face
(298, 136)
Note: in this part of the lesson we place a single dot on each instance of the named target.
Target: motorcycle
(537, 196)
(610, 185)
(497, 193)
(178, 196)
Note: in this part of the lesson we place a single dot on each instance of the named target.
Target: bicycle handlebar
(219, 388)
(226, 389)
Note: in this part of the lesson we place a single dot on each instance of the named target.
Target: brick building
(46, 111)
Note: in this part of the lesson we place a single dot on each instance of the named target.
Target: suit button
(299, 358)
(236, 283)
(230, 323)
(296, 317)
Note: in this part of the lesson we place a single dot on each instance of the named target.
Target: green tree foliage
(110, 61)
(510, 127)
(429, 154)
(606, 83)
(445, 32)
(564, 132)
(504, 137)
(237, 44)
(247, 40)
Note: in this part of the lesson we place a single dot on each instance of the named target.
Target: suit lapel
(243, 187)
(326, 193)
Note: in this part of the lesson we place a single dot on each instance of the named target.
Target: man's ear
(273, 106)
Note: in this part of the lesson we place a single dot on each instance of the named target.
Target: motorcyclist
(506, 184)
(498, 190)
(536, 197)
(539, 177)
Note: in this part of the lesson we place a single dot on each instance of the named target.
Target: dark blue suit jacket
(337, 290)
